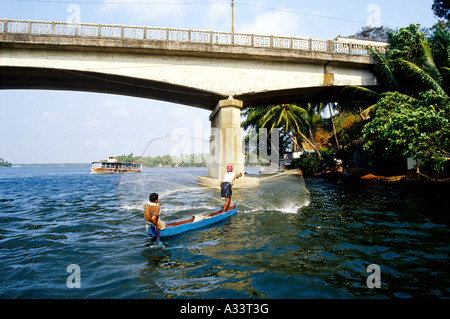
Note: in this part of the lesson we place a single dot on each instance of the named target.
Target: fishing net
(181, 195)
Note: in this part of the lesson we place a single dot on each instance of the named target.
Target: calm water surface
(287, 241)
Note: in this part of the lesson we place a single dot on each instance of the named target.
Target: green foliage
(411, 115)
(348, 127)
(190, 160)
(4, 163)
(409, 66)
(441, 9)
(311, 165)
(308, 164)
(405, 126)
(127, 158)
(294, 119)
(373, 33)
(440, 45)
(406, 43)
(328, 162)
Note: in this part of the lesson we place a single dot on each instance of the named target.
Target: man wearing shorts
(225, 186)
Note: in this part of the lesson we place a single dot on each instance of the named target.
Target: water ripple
(287, 241)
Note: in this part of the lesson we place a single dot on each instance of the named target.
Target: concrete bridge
(217, 71)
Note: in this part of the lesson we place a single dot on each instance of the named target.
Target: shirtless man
(151, 215)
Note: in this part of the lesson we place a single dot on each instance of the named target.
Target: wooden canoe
(182, 225)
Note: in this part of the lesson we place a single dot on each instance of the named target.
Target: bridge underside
(53, 79)
(57, 79)
(300, 95)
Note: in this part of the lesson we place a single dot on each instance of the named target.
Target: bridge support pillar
(225, 145)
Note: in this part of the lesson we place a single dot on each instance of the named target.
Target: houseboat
(113, 166)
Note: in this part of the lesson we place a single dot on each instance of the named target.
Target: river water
(291, 238)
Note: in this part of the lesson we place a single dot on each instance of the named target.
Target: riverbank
(409, 176)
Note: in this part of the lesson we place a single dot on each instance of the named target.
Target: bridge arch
(84, 81)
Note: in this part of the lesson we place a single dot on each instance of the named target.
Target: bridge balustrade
(221, 38)
(158, 34)
(300, 44)
(181, 35)
(133, 33)
(243, 39)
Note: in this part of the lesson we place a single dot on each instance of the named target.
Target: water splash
(291, 208)
(284, 192)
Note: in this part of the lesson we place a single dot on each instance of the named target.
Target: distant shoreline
(77, 165)
(89, 165)
(51, 165)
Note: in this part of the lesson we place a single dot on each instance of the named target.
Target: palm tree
(332, 123)
(314, 116)
(409, 66)
(291, 117)
(440, 44)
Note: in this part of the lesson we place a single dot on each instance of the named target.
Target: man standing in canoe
(151, 215)
(225, 186)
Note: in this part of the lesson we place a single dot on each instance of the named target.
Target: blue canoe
(182, 225)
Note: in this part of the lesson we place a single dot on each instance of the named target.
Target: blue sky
(74, 127)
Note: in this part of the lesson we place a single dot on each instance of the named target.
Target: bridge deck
(37, 43)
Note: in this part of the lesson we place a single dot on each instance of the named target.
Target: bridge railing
(181, 35)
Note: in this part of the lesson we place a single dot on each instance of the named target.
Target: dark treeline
(191, 160)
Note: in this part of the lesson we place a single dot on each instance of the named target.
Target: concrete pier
(225, 145)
